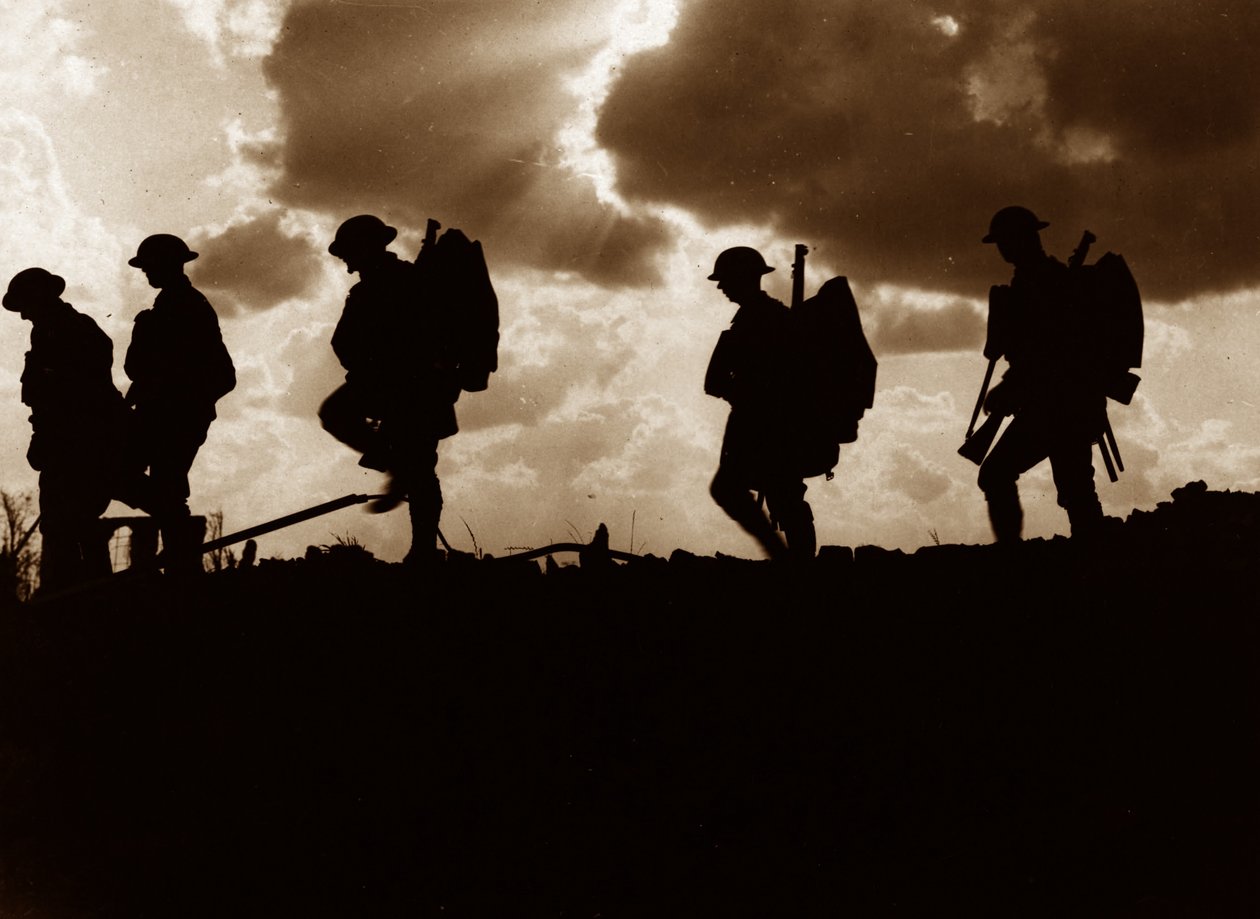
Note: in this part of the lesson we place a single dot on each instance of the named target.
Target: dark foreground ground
(1058, 732)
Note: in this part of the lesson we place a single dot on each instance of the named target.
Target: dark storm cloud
(893, 131)
(451, 111)
(255, 265)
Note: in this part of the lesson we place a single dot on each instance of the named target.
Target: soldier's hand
(1000, 400)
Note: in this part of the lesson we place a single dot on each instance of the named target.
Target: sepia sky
(604, 152)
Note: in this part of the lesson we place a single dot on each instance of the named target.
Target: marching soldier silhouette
(751, 369)
(399, 397)
(1052, 389)
(77, 423)
(179, 368)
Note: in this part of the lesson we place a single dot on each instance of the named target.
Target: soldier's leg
(59, 560)
(73, 548)
(790, 510)
(173, 453)
(1020, 447)
(346, 416)
(734, 496)
(94, 545)
(424, 497)
(1073, 469)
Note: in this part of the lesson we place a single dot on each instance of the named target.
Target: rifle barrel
(288, 520)
(984, 391)
(798, 275)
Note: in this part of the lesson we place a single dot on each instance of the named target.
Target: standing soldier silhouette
(77, 417)
(751, 368)
(1051, 388)
(179, 368)
(399, 397)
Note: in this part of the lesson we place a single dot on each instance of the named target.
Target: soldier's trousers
(785, 500)
(170, 437)
(169, 441)
(73, 547)
(1025, 443)
(394, 440)
(350, 415)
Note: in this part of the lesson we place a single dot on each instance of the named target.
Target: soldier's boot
(798, 530)
(395, 493)
(740, 507)
(1086, 520)
(59, 561)
(1005, 515)
(759, 527)
(94, 550)
(182, 537)
(143, 545)
(425, 506)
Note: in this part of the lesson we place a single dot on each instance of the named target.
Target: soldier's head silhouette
(738, 272)
(32, 288)
(1017, 233)
(360, 241)
(162, 257)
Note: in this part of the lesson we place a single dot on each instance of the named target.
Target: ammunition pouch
(1121, 386)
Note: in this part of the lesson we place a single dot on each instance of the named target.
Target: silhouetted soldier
(179, 368)
(76, 420)
(399, 397)
(1052, 387)
(751, 368)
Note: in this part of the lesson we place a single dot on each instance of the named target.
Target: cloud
(244, 28)
(919, 479)
(451, 111)
(877, 131)
(255, 264)
(908, 409)
(603, 461)
(47, 226)
(910, 322)
(39, 45)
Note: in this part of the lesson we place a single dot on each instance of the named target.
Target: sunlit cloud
(236, 28)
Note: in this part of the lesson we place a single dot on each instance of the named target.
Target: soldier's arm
(719, 377)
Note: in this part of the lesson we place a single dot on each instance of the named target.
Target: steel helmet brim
(1013, 220)
(32, 283)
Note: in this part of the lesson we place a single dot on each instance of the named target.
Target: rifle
(430, 237)
(798, 274)
(977, 443)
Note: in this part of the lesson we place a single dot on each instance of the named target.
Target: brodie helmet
(161, 249)
(362, 232)
(32, 284)
(739, 260)
(1013, 221)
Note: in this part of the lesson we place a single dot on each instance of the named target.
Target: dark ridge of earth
(1063, 730)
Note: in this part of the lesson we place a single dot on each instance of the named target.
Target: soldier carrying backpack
(797, 381)
(411, 337)
(1070, 334)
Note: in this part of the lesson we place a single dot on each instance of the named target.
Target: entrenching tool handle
(1106, 457)
(1115, 451)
